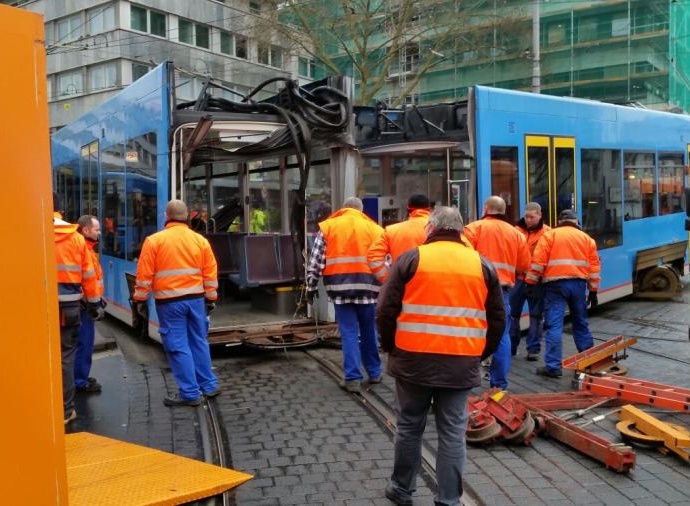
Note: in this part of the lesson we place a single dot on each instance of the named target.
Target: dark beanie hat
(57, 205)
(418, 201)
(568, 214)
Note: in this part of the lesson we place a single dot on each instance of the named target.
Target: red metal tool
(603, 357)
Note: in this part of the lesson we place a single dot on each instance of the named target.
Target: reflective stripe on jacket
(396, 240)
(501, 244)
(176, 262)
(565, 252)
(348, 233)
(443, 308)
(76, 276)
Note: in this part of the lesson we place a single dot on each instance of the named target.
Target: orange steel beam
(600, 354)
(638, 391)
(675, 440)
(559, 400)
(614, 456)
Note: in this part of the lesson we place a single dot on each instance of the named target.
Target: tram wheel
(524, 433)
(483, 434)
(661, 281)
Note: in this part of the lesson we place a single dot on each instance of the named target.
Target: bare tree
(388, 46)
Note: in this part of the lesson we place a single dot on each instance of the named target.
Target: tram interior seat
(262, 259)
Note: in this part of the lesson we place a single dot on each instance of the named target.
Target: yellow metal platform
(103, 471)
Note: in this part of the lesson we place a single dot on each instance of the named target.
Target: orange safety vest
(502, 245)
(396, 240)
(348, 234)
(76, 276)
(565, 252)
(443, 309)
(176, 262)
(96, 266)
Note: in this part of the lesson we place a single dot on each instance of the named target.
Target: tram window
(671, 189)
(410, 175)
(141, 203)
(602, 205)
(639, 185)
(89, 179)
(318, 196)
(113, 201)
(67, 186)
(504, 178)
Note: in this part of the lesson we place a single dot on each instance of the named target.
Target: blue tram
(257, 182)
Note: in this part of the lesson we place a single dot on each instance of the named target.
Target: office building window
(152, 22)
(226, 43)
(158, 24)
(264, 54)
(138, 18)
(186, 31)
(306, 67)
(139, 70)
(101, 19)
(103, 76)
(241, 50)
(194, 33)
(70, 28)
(70, 83)
(202, 36)
(277, 57)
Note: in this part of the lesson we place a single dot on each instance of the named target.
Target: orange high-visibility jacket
(501, 244)
(532, 237)
(96, 266)
(443, 307)
(76, 276)
(176, 262)
(565, 252)
(348, 234)
(396, 240)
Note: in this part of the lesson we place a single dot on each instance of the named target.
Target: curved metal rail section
(213, 445)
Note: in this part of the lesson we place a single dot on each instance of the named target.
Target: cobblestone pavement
(308, 442)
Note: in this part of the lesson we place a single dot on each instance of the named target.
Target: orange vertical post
(32, 441)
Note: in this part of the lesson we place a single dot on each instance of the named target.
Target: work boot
(376, 379)
(549, 373)
(91, 387)
(353, 386)
(532, 357)
(176, 400)
(397, 496)
(213, 393)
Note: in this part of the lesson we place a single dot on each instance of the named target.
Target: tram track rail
(213, 445)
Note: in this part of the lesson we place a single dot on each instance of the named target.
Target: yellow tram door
(550, 178)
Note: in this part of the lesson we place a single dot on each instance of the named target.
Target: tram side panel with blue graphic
(127, 138)
(621, 168)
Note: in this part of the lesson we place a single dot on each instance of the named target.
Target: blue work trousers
(535, 304)
(500, 363)
(557, 295)
(184, 330)
(360, 343)
(450, 411)
(82, 359)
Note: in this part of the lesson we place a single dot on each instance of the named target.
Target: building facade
(96, 48)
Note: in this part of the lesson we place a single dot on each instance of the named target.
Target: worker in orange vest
(178, 266)
(566, 261)
(398, 238)
(532, 227)
(339, 254)
(90, 228)
(506, 248)
(76, 279)
(439, 313)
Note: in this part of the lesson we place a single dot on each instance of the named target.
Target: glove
(95, 311)
(142, 308)
(311, 296)
(529, 291)
(592, 299)
(210, 307)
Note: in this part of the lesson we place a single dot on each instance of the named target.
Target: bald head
(494, 205)
(353, 203)
(176, 210)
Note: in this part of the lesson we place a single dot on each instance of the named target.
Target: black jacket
(431, 369)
